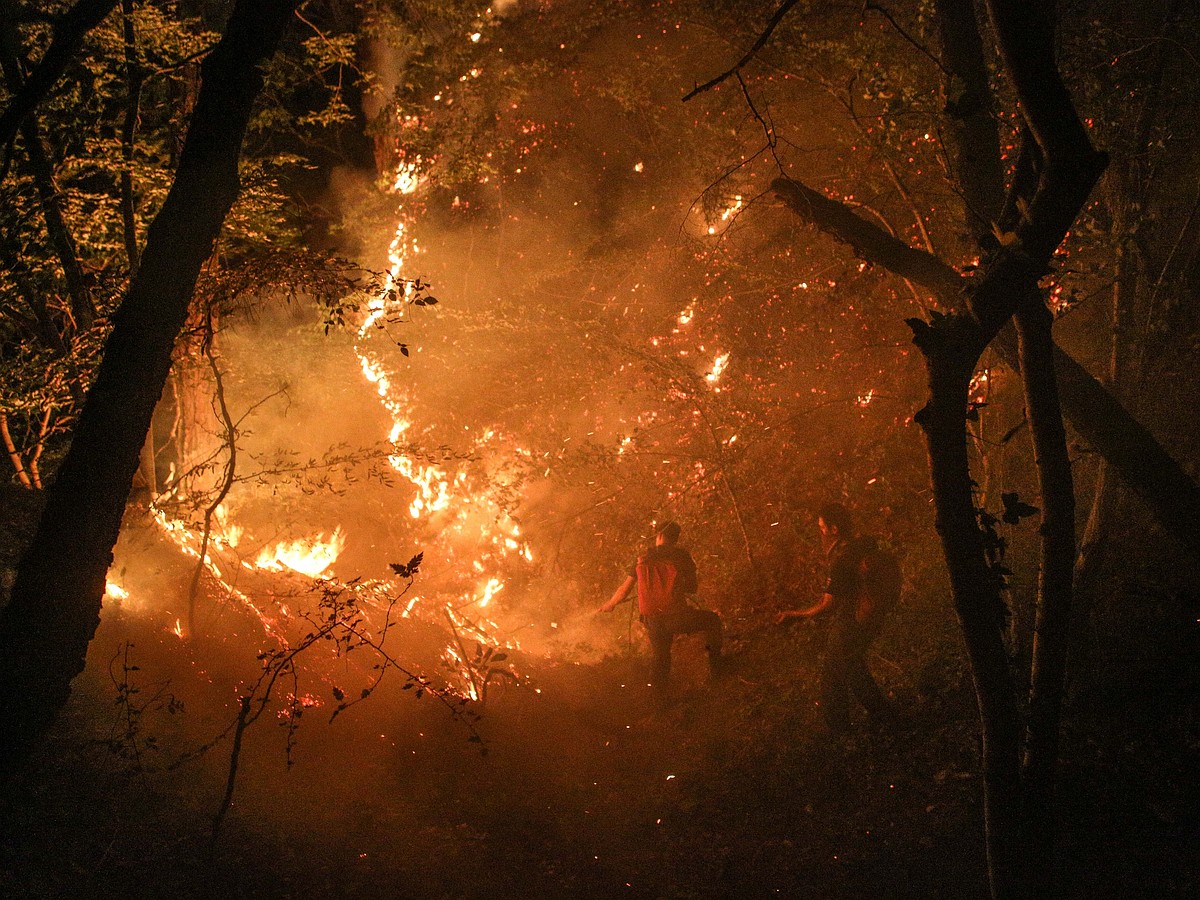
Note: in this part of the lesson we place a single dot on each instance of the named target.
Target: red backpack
(655, 584)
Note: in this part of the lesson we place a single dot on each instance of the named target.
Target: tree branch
(750, 54)
(1095, 414)
(870, 242)
(69, 32)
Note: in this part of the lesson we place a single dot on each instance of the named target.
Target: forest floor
(587, 789)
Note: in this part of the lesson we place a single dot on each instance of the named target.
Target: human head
(836, 521)
(668, 533)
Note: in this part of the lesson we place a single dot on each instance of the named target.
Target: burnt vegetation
(351, 351)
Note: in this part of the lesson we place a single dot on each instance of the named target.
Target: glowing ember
(309, 557)
(726, 216)
(115, 591)
(718, 367)
(865, 399)
(493, 587)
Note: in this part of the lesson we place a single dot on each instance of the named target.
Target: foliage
(49, 360)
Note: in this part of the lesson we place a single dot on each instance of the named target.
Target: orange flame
(309, 557)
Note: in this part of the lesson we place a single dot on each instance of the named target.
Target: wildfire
(718, 366)
(725, 217)
(310, 557)
(980, 386)
(469, 517)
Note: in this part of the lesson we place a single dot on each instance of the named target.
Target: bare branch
(870, 242)
(875, 7)
(758, 45)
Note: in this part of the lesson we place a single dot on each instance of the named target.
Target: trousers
(844, 672)
(662, 628)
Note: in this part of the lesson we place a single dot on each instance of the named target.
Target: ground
(587, 789)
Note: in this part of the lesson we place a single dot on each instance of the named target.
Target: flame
(188, 542)
(309, 557)
(718, 366)
(115, 591)
(980, 385)
(723, 221)
(469, 517)
(865, 399)
(493, 587)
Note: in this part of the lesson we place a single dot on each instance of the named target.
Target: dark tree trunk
(1056, 148)
(1052, 627)
(952, 349)
(133, 81)
(55, 606)
(972, 136)
(11, 57)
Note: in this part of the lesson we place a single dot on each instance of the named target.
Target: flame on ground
(311, 556)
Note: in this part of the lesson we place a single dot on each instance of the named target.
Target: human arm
(816, 609)
(620, 595)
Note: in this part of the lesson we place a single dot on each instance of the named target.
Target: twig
(13, 453)
(758, 45)
(43, 430)
(244, 720)
(874, 7)
(230, 467)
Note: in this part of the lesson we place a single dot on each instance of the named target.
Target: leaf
(338, 693)
(408, 569)
(1016, 509)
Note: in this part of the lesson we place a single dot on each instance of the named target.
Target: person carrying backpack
(665, 576)
(864, 585)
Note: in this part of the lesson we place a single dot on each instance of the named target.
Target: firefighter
(864, 583)
(665, 576)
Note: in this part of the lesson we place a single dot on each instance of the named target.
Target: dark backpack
(655, 584)
(879, 583)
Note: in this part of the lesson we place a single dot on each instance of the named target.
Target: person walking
(864, 584)
(665, 577)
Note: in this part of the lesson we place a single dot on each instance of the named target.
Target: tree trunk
(972, 136)
(55, 606)
(1052, 627)
(69, 32)
(951, 359)
(133, 81)
(1067, 169)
